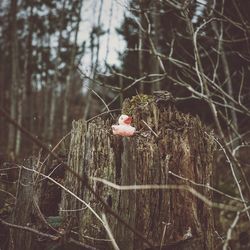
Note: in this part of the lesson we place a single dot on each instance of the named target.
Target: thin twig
(109, 232)
(56, 146)
(29, 229)
(46, 235)
(150, 129)
(230, 230)
(208, 187)
(167, 187)
(8, 193)
(163, 234)
(234, 176)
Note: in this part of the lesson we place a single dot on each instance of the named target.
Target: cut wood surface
(168, 144)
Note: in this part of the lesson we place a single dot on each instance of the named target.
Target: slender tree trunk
(14, 77)
(121, 87)
(70, 74)
(66, 103)
(149, 33)
(141, 45)
(2, 102)
(94, 71)
(28, 95)
(52, 110)
(229, 85)
(54, 83)
(20, 103)
(180, 149)
(230, 91)
(46, 109)
(154, 62)
(46, 100)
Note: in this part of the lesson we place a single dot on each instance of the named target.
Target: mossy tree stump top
(178, 146)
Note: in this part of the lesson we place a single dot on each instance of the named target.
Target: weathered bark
(182, 147)
(24, 208)
(76, 159)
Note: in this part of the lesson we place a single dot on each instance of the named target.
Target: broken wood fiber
(168, 144)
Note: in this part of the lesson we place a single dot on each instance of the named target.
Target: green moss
(130, 105)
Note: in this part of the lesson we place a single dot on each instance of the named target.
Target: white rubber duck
(124, 128)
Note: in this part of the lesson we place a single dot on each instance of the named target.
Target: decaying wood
(179, 144)
(24, 208)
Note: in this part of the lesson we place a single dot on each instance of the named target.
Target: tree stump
(24, 212)
(170, 148)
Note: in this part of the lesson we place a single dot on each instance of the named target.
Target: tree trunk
(55, 82)
(94, 66)
(165, 217)
(141, 44)
(65, 119)
(52, 110)
(2, 101)
(28, 106)
(154, 66)
(24, 212)
(19, 119)
(14, 77)
(229, 85)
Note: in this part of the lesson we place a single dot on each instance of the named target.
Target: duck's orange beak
(128, 120)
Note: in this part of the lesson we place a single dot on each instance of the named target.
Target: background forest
(68, 60)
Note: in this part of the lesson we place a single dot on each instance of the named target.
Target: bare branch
(110, 234)
(167, 187)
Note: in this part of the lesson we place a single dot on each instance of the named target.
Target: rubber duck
(124, 128)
